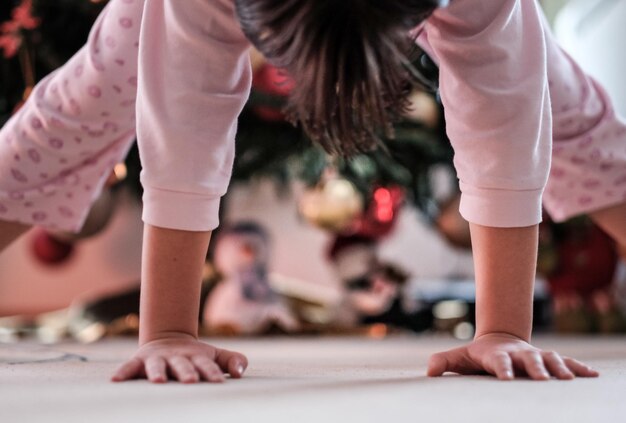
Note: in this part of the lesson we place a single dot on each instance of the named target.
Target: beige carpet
(307, 380)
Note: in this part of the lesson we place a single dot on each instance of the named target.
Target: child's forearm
(171, 276)
(170, 301)
(505, 261)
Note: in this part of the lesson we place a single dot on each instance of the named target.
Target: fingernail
(240, 369)
(508, 374)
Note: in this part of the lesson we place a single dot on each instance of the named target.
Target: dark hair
(348, 59)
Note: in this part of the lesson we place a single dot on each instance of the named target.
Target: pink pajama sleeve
(493, 83)
(194, 78)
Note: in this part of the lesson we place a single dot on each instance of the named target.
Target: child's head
(348, 59)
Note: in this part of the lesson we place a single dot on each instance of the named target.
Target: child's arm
(505, 261)
(193, 81)
(170, 298)
(493, 82)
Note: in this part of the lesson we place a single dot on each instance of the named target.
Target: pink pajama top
(195, 77)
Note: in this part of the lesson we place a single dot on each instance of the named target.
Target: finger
(182, 369)
(532, 363)
(455, 361)
(437, 365)
(208, 369)
(231, 362)
(501, 366)
(128, 370)
(156, 369)
(580, 369)
(555, 364)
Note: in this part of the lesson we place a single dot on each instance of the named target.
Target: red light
(382, 195)
(383, 209)
(384, 214)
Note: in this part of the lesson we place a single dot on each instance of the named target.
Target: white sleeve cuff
(501, 208)
(180, 210)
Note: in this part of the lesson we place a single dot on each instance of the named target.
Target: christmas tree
(38, 36)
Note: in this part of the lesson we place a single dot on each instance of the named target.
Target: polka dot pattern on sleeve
(57, 151)
(588, 169)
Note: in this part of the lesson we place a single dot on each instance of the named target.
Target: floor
(307, 380)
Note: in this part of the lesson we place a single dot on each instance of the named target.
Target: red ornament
(49, 250)
(271, 81)
(381, 215)
(587, 263)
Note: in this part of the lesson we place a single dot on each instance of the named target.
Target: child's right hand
(186, 360)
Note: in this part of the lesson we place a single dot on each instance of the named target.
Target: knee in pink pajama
(588, 169)
(57, 151)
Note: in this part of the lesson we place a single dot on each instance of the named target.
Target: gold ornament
(423, 109)
(333, 205)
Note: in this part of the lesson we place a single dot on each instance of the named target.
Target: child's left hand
(506, 356)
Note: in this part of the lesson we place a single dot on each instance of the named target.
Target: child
(507, 88)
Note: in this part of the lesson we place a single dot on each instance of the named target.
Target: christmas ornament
(55, 247)
(271, 82)
(333, 205)
(423, 109)
(587, 261)
(50, 250)
(381, 215)
(580, 281)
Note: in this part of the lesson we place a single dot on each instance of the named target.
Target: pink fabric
(509, 90)
(494, 88)
(589, 152)
(194, 78)
(57, 151)
(500, 68)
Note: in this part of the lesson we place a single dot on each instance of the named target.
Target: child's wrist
(513, 335)
(152, 336)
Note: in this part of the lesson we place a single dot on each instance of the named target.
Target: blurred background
(309, 244)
